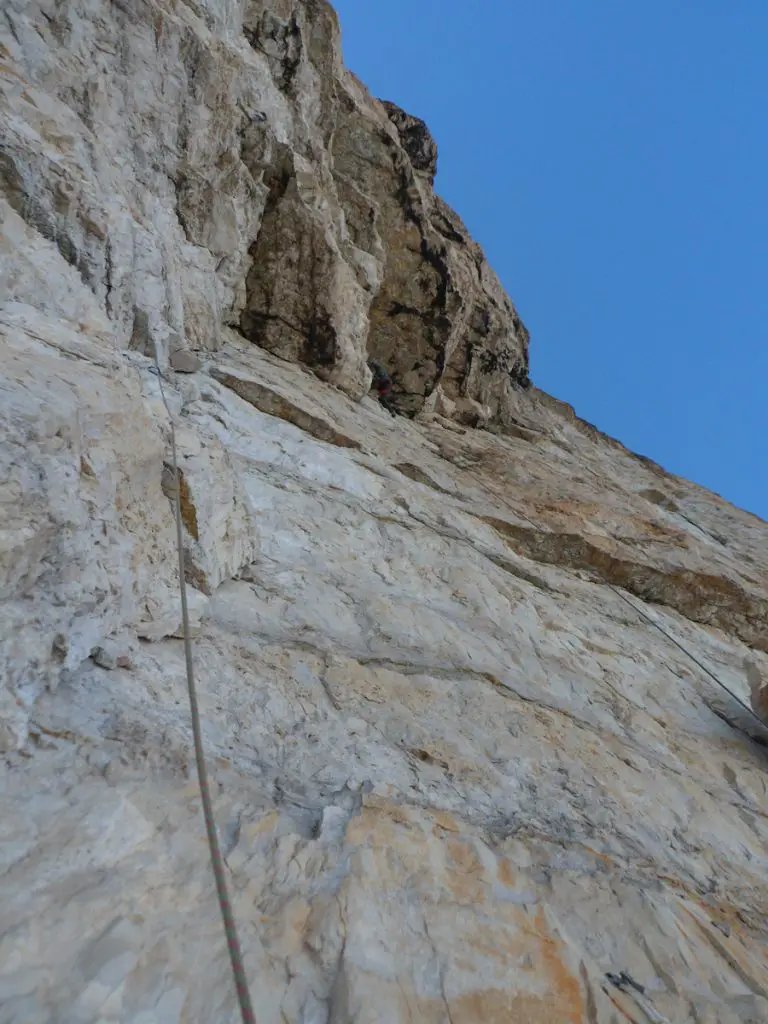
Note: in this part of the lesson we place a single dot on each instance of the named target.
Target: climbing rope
(763, 725)
(685, 650)
(217, 861)
(657, 625)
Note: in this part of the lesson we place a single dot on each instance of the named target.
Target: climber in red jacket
(382, 382)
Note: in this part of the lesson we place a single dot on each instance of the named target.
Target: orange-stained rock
(458, 773)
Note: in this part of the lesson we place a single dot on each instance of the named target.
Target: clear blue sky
(611, 157)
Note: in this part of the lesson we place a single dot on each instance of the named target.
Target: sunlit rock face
(459, 774)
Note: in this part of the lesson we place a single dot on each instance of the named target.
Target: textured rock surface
(758, 688)
(459, 775)
(194, 165)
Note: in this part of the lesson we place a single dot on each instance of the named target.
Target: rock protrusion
(184, 361)
(758, 688)
(273, 404)
(416, 139)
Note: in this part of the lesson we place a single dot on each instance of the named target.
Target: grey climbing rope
(685, 650)
(217, 861)
(653, 622)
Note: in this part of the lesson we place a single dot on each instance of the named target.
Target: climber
(383, 384)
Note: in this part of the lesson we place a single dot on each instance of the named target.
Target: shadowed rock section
(439, 319)
(274, 404)
(355, 254)
(415, 138)
(702, 597)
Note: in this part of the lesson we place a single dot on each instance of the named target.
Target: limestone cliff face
(208, 164)
(460, 775)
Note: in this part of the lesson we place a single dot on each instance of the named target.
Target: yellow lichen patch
(495, 1006)
(285, 930)
(267, 823)
(188, 508)
(508, 874)
(484, 1006)
(446, 821)
(398, 814)
(465, 875)
(539, 984)
(567, 994)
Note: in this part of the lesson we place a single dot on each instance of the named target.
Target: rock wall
(459, 773)
(214, 164)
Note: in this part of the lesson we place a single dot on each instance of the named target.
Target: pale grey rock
(113, 653)
(14, 720)
(184, 361)
(235, 172)
(141, 340)
(492, 768)
(104, 657)
(457, 777)
(197, 608)
(758, 687)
